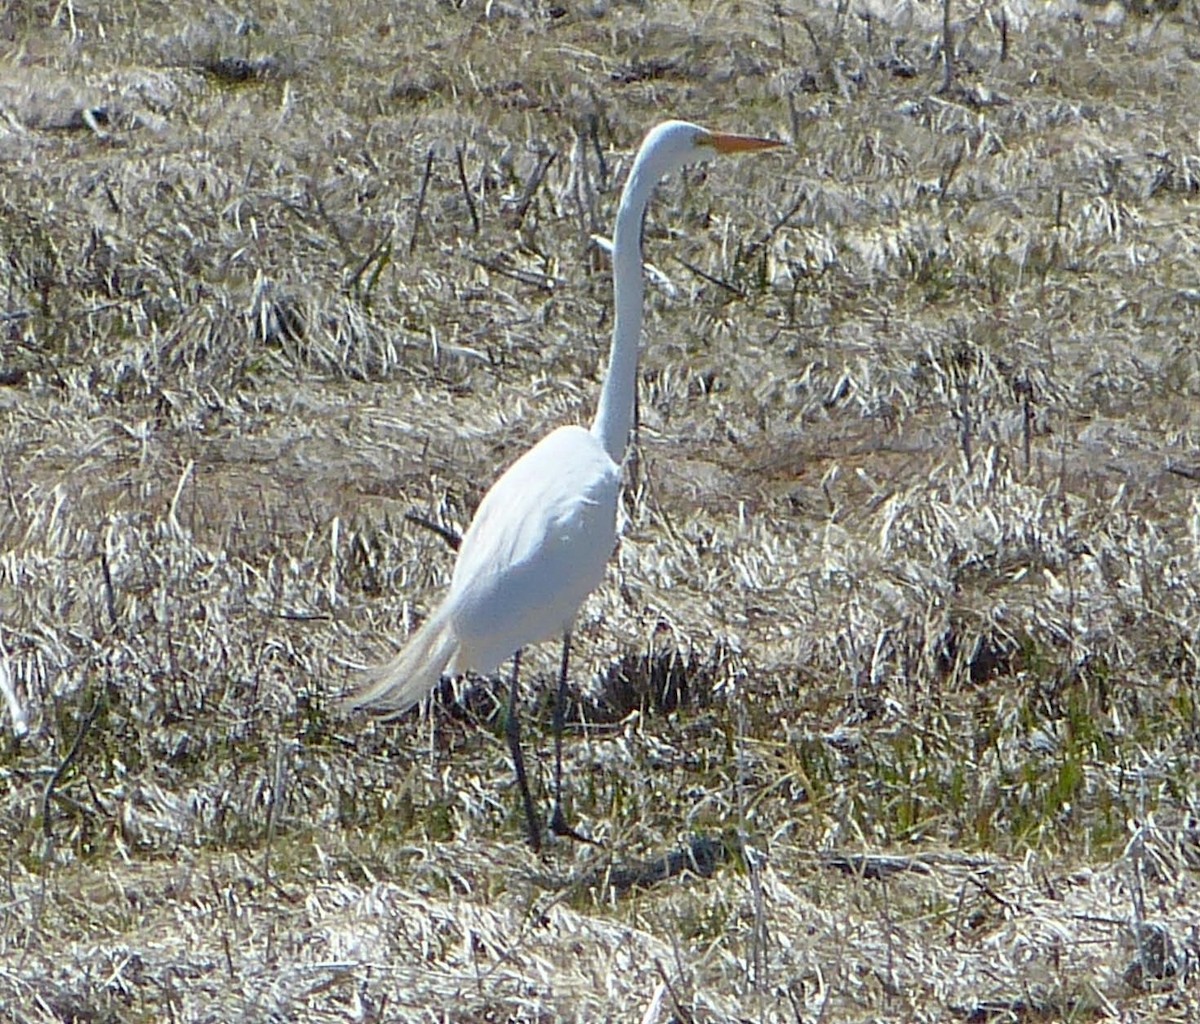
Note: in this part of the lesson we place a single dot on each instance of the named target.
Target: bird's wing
(394, 687)
(536, 548)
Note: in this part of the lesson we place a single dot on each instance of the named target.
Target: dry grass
(901, 637)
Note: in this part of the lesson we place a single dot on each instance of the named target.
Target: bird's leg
(512, 731)
(558, 821)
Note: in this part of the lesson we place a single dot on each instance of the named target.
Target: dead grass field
(901, 637)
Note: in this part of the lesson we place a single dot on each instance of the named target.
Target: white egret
(543, 534)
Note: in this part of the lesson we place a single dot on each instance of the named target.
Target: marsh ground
(904, 615)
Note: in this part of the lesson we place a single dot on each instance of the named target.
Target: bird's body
(542, 536)
(518, 580)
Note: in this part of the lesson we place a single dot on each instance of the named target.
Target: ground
(888, 707)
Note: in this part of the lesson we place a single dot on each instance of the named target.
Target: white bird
(543, 534)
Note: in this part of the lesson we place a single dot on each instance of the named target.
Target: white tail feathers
(393, 688)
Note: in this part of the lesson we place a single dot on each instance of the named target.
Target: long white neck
(614, 415)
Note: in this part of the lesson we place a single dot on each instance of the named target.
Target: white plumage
(540, 539)
(518, 580)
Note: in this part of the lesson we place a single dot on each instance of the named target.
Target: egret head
(674, 144)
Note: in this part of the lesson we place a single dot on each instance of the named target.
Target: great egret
(543, 534)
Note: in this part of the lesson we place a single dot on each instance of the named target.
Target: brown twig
(947, 49)
(731, 288)
(462, 180)
(450, 536)
(412, 241)
(531, 187)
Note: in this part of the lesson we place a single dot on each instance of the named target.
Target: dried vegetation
(888, 709)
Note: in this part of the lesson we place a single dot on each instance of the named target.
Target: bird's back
(538, 545)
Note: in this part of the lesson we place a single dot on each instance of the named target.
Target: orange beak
(725, 143)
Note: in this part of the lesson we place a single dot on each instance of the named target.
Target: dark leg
(558, 821)
(512, 731)
(558, 824)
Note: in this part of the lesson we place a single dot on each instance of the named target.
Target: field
(889, 707)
